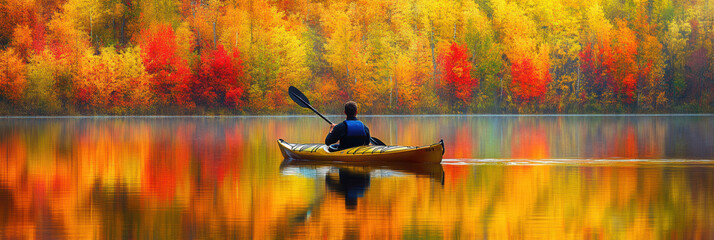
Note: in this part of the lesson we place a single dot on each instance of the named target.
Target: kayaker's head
(351, 109)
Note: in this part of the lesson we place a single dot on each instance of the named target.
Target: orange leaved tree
(12, 76)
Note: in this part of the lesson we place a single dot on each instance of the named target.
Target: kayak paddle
(301, 100)
(376, 141)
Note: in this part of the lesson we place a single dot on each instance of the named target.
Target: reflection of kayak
(322, 169)
(317, 169)
(371, 153)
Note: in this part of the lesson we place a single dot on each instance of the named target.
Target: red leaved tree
(169, 72)
(528, 81)
(218, 79)
(610, 64)
(592, 69)
(457, 73)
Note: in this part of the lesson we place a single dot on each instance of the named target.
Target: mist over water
(625, 176)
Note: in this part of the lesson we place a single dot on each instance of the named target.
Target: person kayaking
(350, 133)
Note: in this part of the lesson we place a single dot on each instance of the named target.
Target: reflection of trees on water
(7, 202)
(203, 178)
(118, 209)
(557, 137)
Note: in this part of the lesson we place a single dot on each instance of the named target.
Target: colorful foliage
(529, 82)
(408, 56)
(219, 79)
(113, 80)
(22, 40)
(169, 72)
(43, 73)
(408, 82)
(456, 69)
(622, 63)
(610, 64)
(12, 76)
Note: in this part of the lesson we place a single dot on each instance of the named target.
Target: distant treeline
(79, 57)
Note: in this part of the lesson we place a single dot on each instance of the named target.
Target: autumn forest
(127, 57)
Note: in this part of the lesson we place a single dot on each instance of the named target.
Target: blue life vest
(355, 128)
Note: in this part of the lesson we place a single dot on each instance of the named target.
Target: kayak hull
(428, 170)
(368, 154)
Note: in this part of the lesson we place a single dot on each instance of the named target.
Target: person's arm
(366, 130)
(335, 134)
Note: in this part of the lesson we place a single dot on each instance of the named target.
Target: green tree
(43, 73)
(675, 43)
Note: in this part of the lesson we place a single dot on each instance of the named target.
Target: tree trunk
(390, 91)
(198, 32)
(500, 85)
(396, 94)
(433, 56)
(214, 35)
(578, 78)
(454, 32)
(473, 56)
(198, 41)
(123, 28)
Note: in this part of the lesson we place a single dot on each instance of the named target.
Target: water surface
(544, 177)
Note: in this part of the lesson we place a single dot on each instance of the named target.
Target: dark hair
(351, 109)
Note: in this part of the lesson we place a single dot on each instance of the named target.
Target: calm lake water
(542, 177)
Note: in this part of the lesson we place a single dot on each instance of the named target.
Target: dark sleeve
(336, 134)
(366, 129)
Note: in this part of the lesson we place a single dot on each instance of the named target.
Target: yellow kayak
(370, 153)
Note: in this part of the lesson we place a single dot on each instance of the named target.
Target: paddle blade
(298, 97)
(376, 141)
